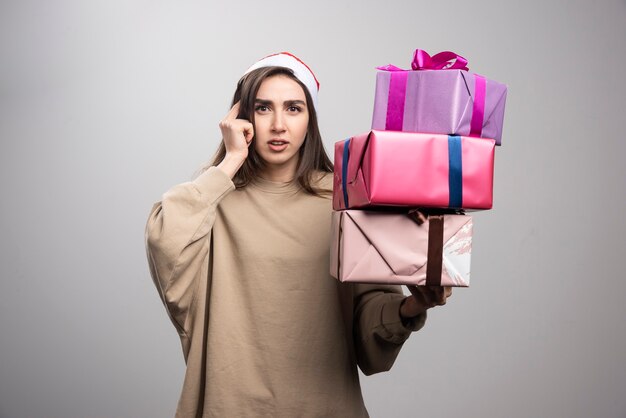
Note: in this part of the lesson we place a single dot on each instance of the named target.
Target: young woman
(240, 258)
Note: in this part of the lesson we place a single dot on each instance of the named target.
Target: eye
(261, 108)
(294, 108)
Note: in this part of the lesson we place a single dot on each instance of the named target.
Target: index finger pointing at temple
(233, 112)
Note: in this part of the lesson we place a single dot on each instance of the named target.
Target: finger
(417, 292)
(435, 291)
(248, 131)
(443, 299)
(438, 295)
(233, 112)
(428, 296)
(445, 294)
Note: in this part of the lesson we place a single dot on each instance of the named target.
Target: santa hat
(299, 68)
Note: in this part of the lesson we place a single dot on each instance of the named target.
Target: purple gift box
(438, 96)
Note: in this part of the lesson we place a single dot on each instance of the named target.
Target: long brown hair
(312, 156)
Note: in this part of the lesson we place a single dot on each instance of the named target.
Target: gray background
(104, 105)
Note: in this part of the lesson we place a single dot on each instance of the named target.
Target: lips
(277, 145)
(277, 142)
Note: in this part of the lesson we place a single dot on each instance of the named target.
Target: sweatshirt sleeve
(177, 241)
(378, 329)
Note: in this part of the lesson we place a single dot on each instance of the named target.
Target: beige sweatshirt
(265, 330)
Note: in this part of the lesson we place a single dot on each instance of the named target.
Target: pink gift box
(386, 168)
(393, 248)
(440, 96)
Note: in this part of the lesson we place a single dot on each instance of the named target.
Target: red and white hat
(299, 68)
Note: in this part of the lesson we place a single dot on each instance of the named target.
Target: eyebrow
(286, 102)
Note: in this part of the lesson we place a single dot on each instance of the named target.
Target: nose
(278, 122)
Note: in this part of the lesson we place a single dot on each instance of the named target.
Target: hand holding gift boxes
(431, 147)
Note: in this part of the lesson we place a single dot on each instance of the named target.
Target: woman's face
(281, 118)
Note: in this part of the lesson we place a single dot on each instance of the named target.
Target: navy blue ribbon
(455, 171)
(344, 171)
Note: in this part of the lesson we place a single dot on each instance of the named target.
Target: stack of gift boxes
(401, 190)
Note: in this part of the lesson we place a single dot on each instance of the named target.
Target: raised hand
(237, 134)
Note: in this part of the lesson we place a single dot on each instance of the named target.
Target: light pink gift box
(387, 168)
(393, 248)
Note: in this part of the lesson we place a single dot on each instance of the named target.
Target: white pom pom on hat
(299, 68)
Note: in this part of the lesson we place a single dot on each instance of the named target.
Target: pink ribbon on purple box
(446, 60)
